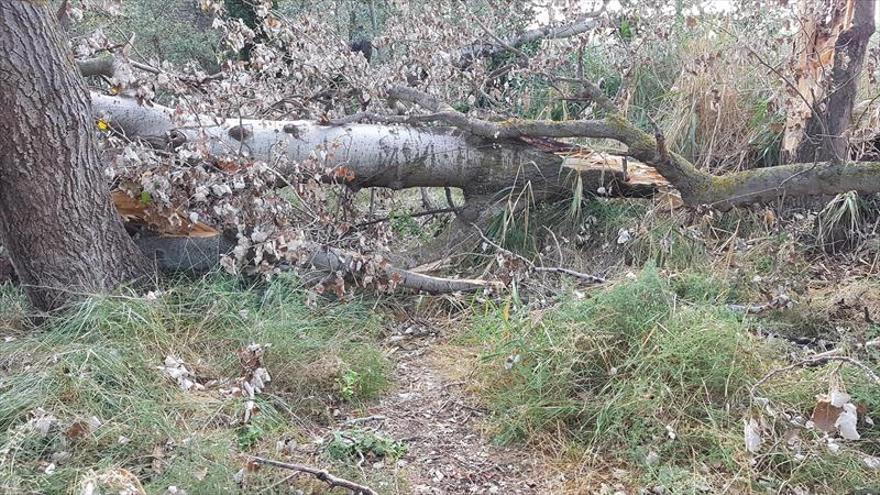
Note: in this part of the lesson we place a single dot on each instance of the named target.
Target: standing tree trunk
(826, 137)
(56, 220)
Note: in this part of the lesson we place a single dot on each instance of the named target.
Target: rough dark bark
(56, 219)
(826, 134)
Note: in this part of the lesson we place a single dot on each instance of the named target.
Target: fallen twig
(816, 360)
(586, 277)
(436, 211)
(320, 474)
(354, 421)
(593, 279)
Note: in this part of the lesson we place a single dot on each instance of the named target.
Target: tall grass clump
(83, 399)
(653, 372)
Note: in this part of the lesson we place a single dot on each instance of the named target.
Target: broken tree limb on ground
(696, 187)
(336, 260)
(320, 474)
(198, 254)
(196, 247)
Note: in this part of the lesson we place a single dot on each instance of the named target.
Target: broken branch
(816, 360)
(592, 279)
(550, 31)
(320, 474)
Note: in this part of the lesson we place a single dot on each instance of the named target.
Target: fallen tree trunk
(488, 159)
(369, 155)
(480, 157)
(390, 156)
(696, 187)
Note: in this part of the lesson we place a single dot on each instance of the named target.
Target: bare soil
(450, 450)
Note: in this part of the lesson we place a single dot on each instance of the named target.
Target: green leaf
(625, 29)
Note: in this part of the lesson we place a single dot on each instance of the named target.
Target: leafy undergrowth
(95, 397)
(647, 384)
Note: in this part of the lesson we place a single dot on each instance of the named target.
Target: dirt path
(448, 453)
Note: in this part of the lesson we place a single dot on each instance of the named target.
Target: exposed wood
(165, 222)
(815, 48)
(827, 133)
(614, 173)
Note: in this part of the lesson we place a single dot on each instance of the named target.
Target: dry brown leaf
(78, 430)
(825, 415)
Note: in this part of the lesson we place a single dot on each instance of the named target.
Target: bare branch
(435, 211)
(590, 90)
(550, 31)
(335, 260)
(320, 474)
(108, 65)
(816, 360)
(592, 279)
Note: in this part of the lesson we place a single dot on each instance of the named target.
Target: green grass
(100, 360)
(357, 443)
(657, 373)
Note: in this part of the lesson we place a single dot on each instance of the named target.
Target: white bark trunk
(395, 157)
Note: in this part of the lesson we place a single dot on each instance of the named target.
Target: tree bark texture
(63, 234)
(373, 155)
(826, 135)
